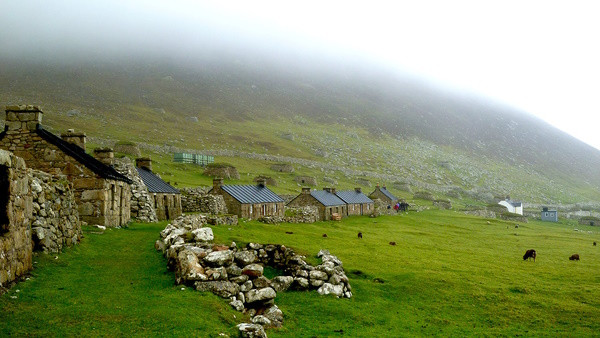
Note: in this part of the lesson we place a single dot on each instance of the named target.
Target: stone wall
(237, 273)
(167, 206)
(306, 180)
(198, 200)
(55, 216)
(16, 207)
(142, 202)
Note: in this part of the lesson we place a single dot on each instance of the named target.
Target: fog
(536, 56)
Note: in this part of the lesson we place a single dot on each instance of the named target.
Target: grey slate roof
(353, 197)
(387, 193)
(154, 183)
(248, 194)
(326, 198)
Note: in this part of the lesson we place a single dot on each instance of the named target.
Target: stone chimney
(77, 139)
(217, 184)
(358, 190)
(23, 117)
(261, 182)
(327, 189)
(144, 162)
(105, 155)
(306, 191)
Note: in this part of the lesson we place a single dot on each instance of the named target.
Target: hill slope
(359, 118)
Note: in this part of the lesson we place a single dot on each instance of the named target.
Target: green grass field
(449, 275)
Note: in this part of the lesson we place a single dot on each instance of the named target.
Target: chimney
(217, 183)
(327, 189)
(144, 162)
(261, 182)
(72, 137)
(333, 191)
(105, 155)
(358, 190)
(306, 191)
(23, 117)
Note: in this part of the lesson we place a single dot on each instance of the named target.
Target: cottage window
(4, 198)
(264, 209)
(275, 208)
(250, 209)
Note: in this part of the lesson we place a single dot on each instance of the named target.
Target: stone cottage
(382, 194)
(103, 195)
(325, 200)
(357, 203)
(249, 201)
(167, 200)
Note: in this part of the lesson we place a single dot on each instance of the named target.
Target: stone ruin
(199, 200)
(306, 180)
(283, 168)
(221, 170)
(237, 273)
(142, 202)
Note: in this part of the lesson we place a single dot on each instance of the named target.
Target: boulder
(251, 330)
(260, 295)
(275, 315)
(253, 270)
(281, 283)
(203, 234)
(328, 288)
(219, 258)
(223, 289)
(244, 258)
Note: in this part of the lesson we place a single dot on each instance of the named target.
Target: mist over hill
(356, 115)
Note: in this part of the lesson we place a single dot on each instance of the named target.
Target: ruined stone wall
(198, 200)
(237, 273)
(142, 202)
(55, 216)
(15, 217)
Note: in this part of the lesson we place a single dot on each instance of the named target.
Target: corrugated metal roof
(326, 198)
(248, 194)
(353, 197)
(154, 183)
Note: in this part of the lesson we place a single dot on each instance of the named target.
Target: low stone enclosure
(237, 273)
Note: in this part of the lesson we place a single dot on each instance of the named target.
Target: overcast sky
(541, 56)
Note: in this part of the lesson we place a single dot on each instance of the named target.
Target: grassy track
(449, 275)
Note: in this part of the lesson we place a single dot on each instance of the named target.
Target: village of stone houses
(51, 188)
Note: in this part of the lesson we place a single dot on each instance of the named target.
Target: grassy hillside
(449, 275)
(389, 127)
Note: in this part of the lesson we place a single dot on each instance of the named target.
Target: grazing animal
(574, 257)
(517, 226)
(529, 254)
(594, 243)
(289, 232)
(360, 235)
(324, 235)
(392, 243)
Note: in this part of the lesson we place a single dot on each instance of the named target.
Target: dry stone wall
(142, 202)
(55, 216)
(15, 217)
(198, 200)
(237, 273)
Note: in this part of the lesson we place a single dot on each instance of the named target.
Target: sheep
(574, 257)
(360, 235)
(529, 254)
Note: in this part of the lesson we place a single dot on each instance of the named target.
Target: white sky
(541, 56)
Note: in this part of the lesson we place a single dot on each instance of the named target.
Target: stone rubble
(238, 273)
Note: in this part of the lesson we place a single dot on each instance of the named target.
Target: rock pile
(237, 273)
(54, 210)
(142, 202)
